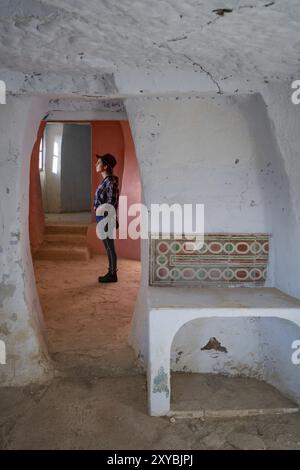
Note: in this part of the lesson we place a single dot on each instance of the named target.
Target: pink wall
(131, 187)
(36, 212)
(115, 137)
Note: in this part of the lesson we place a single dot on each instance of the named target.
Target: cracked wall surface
(256, 39)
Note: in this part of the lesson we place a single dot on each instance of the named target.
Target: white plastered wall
(21, 323)
(222, 151)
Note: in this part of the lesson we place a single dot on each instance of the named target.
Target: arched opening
(86, 323)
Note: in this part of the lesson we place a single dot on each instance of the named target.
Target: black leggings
(111, 254)
(110, 249)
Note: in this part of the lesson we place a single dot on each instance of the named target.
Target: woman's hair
(108, 160)
(108, 168)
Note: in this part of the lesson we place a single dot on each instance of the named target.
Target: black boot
(109, 277)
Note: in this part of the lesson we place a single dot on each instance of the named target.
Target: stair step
(62, 251)
(64, 242)
(66, 228)
(223, 414)
(67, 238)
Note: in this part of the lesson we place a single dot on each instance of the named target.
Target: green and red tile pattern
(223, 260)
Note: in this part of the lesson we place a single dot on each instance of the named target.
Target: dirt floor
(110, 413)
(98, 398)
(86, 320)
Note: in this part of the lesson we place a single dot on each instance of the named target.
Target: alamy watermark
(295, 97)
(2, 353)
(161, 220)
(295, 358)
(2, 92)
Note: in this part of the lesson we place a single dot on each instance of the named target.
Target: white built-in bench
(225, 277)
(172, 307)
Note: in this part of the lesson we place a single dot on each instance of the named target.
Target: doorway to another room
(65, 164)
(87, 324)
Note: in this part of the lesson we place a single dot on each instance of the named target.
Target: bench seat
(171, 307)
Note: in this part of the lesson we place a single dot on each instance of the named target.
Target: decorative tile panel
(224, 260)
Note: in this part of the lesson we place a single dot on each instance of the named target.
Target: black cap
(108, 160)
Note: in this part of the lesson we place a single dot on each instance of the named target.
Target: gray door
(76, 168)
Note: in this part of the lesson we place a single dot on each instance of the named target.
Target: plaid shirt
(107, 192)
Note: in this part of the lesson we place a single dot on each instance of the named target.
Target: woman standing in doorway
(107, 193)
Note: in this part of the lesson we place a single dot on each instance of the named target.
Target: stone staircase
(64, 242)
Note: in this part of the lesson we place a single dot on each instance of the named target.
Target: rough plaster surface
(253, 40)
(285, 120)
(20, 311)
(101, 105)
(242, 357)
(234, 178)
(265, 355)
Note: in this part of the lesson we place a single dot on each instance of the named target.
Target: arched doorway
(86, 323)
